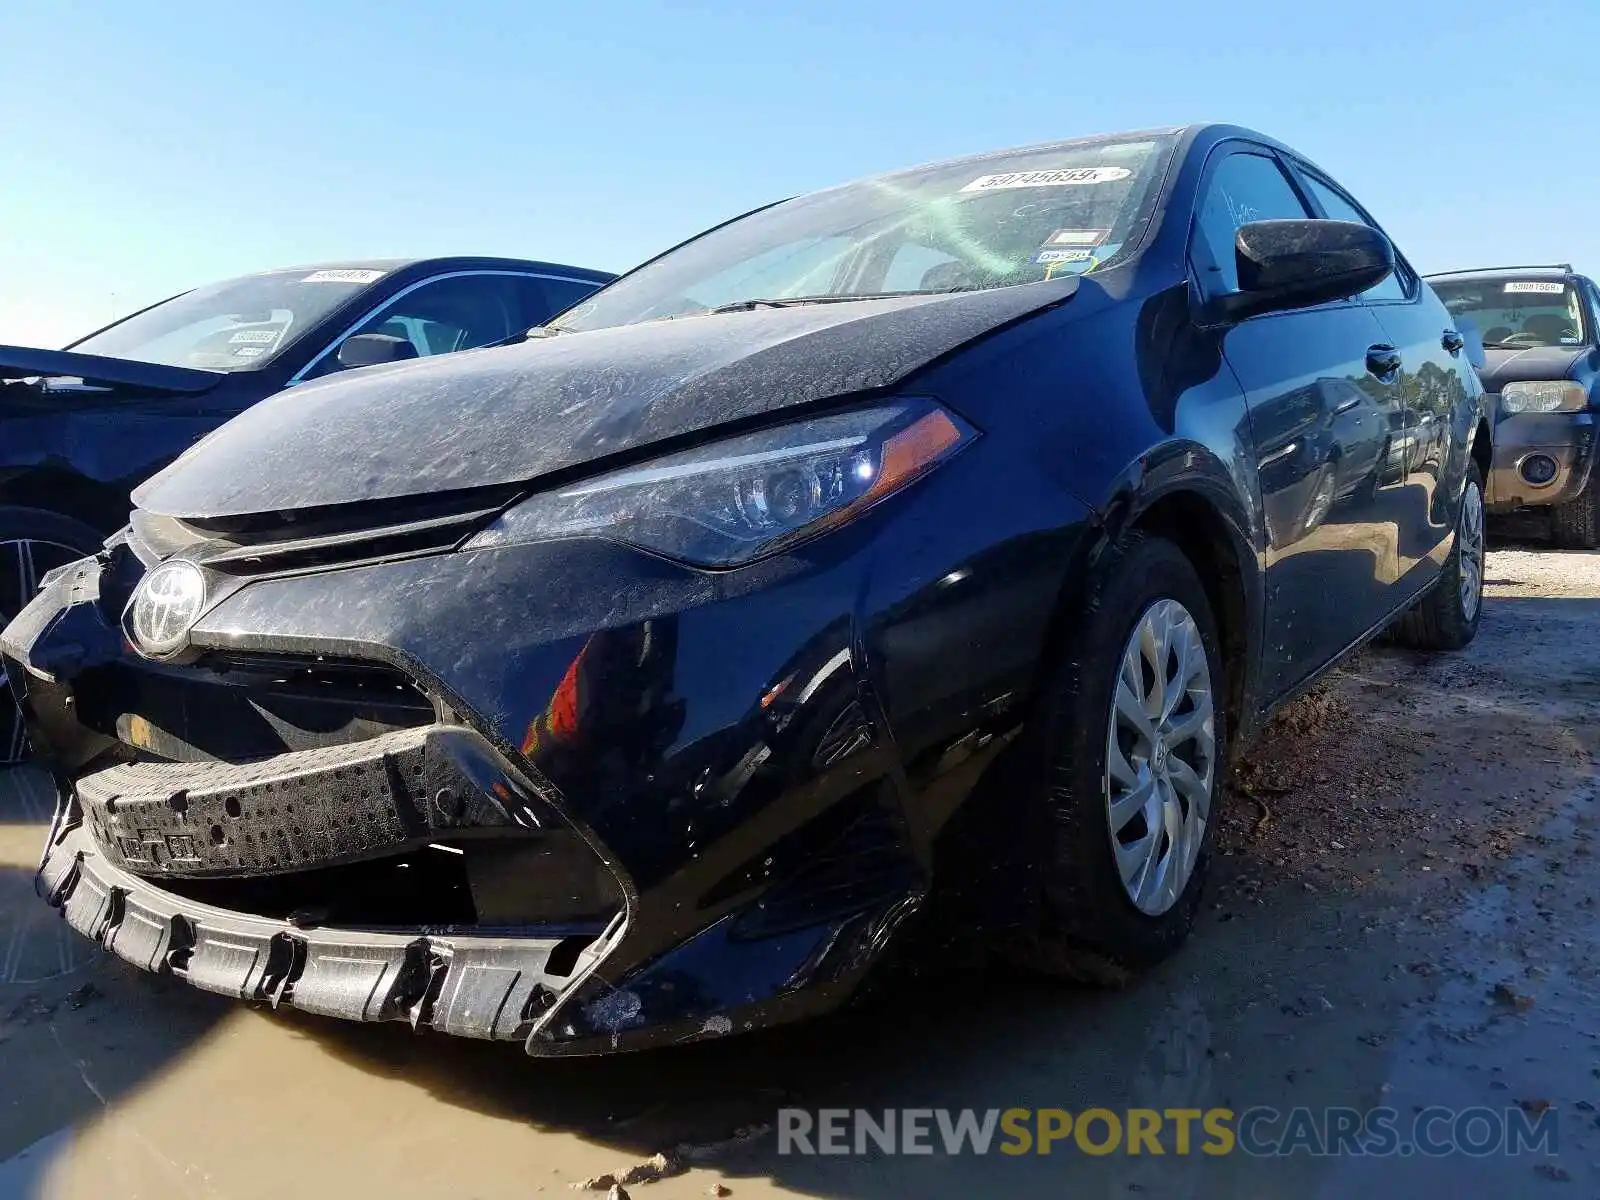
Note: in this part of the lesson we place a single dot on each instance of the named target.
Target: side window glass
(1242, 189)
(562, 294)
(1338, 207)
(442, 316)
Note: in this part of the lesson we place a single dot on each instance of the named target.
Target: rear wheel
(32, 541)
(1131, 739)
(1447, 617)
(1576, 524)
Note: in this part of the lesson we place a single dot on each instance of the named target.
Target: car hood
(1535, 363)
(511, 414)
(28, 362)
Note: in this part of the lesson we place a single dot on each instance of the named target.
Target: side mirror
(371, 349)
(1295, 264)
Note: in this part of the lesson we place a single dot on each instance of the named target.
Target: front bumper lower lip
(467, 986)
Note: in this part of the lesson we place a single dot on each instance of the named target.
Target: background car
(1542, 370)
(80, 427)
(893, 558)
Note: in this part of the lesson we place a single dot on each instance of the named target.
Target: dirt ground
(1402, 914)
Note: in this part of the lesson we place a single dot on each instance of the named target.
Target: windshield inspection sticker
(349, 275)
(1063, 256)
(1536, 287)
(249, 352)
(1059, 178)
(254, 337)
(1077, 237)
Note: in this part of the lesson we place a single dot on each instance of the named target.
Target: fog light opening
(565, 956)
(1538, 470)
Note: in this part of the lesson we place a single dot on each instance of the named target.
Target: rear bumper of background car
(1566, 439)
(676, 805)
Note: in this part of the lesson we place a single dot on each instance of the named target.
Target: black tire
(1440, 621)
(53, 540)
(1089, 928)
(1575, 525)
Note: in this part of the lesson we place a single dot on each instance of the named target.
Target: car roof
(458, 262)
(1543, 271)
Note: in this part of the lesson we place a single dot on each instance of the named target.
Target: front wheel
(1576, 524)
(1132, 737)
(1447, 617)
(32, 541)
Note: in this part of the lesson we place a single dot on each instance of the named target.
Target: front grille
(339, 535)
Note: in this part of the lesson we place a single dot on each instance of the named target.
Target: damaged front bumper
(625, 836)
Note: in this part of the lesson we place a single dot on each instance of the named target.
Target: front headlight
(1543, 397)
(732, 501)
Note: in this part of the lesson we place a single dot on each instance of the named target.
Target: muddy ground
(1402, 915)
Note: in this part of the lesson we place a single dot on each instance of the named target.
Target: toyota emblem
(165, 604)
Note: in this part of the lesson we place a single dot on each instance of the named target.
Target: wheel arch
(1186, 496)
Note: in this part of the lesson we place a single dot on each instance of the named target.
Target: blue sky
(148, 147)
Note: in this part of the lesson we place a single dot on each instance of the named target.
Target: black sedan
(905, 557)
(80, 427)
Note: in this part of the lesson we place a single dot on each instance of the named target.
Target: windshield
(238, 325)
(972, 224)
(1517, 313)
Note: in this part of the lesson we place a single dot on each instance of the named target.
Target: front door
(1321, 389)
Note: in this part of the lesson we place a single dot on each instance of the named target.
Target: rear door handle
(1383, 361)
(1452, 341)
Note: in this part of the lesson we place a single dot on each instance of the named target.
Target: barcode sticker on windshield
(254, 337)
(347, 275)
(1063, 177)
(1536, 287)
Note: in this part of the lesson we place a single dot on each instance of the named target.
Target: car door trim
(300, 375)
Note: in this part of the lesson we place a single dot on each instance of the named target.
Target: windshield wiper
(835, 298)
(751, 305)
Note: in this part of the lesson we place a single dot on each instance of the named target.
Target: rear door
(1437, 409)
(1321, 401)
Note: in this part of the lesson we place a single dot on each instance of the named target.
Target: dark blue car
(80, 427)
(896, 563)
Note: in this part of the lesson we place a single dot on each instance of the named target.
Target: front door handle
(1383, 361)
(1453, 342)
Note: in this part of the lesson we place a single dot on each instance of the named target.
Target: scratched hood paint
(512, 414)
(516, 413)
(1534, 363)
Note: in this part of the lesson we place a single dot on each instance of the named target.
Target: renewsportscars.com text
(1261, 1131)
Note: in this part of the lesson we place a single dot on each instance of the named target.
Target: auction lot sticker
(1536, 287)
(348, 275)
(1063, 177)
